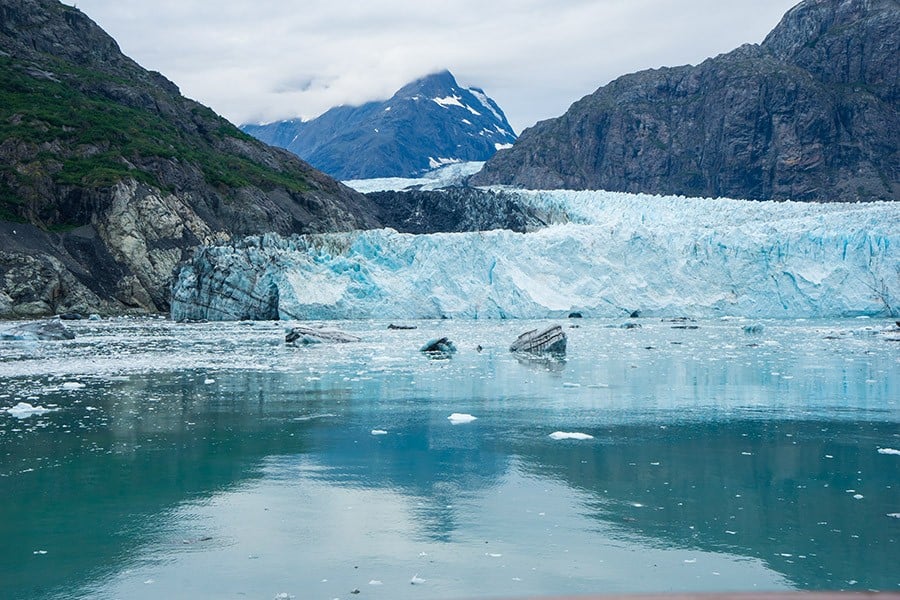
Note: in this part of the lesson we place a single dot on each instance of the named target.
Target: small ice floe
(690, 561)
(209, 381)
(23, 410)
(564, 435)
(890, 451)
(73, 385)
(416, 580)
(284, 596)
(379, 432)
(461, 418)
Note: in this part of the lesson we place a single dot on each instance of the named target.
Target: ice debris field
(608, 255)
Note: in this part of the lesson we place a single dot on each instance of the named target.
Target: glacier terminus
(605, 254)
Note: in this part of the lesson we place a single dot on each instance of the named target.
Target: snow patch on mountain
(449, 101)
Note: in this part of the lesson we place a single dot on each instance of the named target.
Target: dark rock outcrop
(427, 123)
(455, 210)
(108, 176)
(813, 113)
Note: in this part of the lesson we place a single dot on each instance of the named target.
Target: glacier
(608, 255)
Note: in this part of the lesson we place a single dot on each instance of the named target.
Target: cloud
(264, 60)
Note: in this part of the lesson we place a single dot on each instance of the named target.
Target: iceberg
(565, 435)
(23, 410)
(607, 255)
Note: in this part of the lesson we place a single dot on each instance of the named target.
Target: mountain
(618, 253)
(429, 122)
(109, 177)
(813, 113)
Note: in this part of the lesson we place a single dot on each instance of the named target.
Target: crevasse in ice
(617, 253)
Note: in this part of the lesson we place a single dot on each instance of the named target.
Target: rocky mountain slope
(812, 113)
(108, 176)
(429, 122)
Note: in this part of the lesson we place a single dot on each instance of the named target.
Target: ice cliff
(616, 253)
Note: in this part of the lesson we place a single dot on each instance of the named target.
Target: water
(211, 460)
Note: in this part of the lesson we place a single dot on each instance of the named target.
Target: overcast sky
(263, 60)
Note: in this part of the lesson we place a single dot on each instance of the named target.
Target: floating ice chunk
(889, 451)
(379, 432)
(23, 410)
(416, 580)
(284, 596)
(73, 385)
(209, 381)
(563, 435)
(461, 418)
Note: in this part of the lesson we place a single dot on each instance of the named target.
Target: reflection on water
(214, 462)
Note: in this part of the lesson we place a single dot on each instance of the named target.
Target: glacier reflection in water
(211, 460)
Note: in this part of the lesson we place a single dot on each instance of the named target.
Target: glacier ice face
(664, 256)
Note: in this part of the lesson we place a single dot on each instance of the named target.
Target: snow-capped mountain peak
(432, 120)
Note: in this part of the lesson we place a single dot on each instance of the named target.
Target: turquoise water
(210, 460)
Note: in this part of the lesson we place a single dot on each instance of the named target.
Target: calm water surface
(210, 460)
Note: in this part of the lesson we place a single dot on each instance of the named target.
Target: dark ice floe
(49, 330)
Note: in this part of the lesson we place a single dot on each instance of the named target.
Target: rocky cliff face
(109, 177)
(813, 113)
(458, 209)
(430, 122)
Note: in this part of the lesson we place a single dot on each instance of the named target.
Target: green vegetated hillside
(108, 176)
